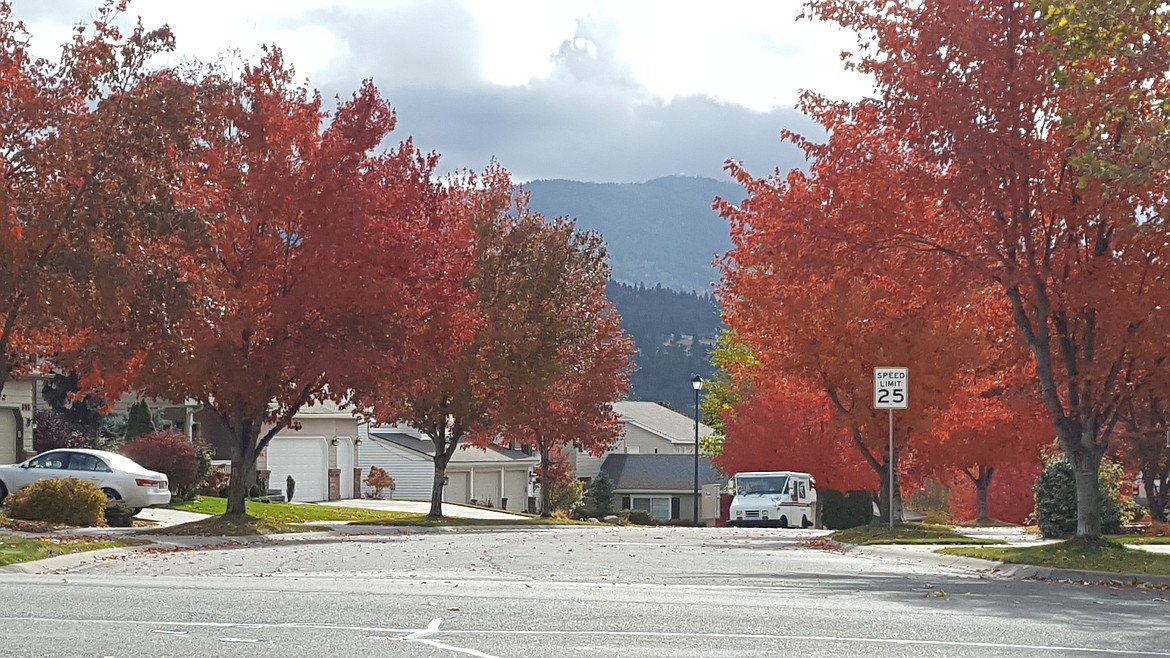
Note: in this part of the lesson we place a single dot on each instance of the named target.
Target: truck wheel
(783, 521)
(805, 523)
(3, 493)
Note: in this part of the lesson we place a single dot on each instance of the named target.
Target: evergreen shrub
(1056, 502)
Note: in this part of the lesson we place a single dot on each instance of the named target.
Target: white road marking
(432, 628)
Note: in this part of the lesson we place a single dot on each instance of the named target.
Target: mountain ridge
(659, 232)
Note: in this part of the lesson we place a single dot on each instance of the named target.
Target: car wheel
(3, 493)
(136, 511)
(784, 522)
(805, 523)
(111, 494)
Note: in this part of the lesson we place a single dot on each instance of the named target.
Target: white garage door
(345, 465)
(8, 440)
(305, 459)
(456, 489)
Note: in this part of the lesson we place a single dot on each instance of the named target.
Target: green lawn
(1076, 555)
(274, 518)
(906, 533)
(1139, 539)
(291, 512)
(22, 549)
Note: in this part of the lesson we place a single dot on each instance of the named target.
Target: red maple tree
(1015, 145)
(327, 260)
(96, 144)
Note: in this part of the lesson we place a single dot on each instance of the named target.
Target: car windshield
(760, 484)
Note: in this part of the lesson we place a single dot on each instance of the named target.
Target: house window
(659, 507)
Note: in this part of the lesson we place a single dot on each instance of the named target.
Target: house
(320, 452)
(647, 428)
(661, 484)
(493, 477)
(18, 405)
(169, 415)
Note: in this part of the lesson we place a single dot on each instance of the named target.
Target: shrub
(290, 487)
(59, 500)
(840, 511)
(567, 495)
(1056, 502)
(211, 480)
(119, 514)
(637, 517)
(599, 497)
(1112, 478)
(859, 507)
(55, 431)
(168, 452)
(379, 480)
(1157, 529)
(832, 504)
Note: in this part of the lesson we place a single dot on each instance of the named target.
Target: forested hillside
(658, 232)
(663, 324)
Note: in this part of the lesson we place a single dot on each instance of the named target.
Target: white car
(118, 476)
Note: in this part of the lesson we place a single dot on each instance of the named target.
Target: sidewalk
(421, 507)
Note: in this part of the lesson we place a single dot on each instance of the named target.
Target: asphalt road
(560, 592)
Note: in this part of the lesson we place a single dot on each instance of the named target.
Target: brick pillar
(357, 482)
(335, 484)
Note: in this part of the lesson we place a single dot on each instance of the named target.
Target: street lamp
(697, 384)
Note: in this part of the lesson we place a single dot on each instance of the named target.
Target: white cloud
(586, 89)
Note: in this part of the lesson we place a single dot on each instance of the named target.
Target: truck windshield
(759, 484)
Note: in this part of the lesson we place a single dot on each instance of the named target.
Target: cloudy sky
(589, 90)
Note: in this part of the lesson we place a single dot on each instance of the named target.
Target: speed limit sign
(891, 388)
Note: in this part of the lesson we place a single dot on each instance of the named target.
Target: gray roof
(465, 453)
(651, 416)
(657, 473)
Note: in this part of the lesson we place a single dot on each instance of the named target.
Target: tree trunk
(982, 484)
(436, 511)
(445, 440)
(981, 502)
(245, 454)
(545, 481)
(1086, 472)
(237, 495)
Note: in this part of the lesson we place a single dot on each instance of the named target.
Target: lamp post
(697, 384)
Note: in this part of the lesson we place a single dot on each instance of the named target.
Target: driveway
(420, 507)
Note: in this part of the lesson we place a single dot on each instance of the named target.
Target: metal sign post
(891, 390)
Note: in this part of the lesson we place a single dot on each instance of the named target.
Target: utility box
(709, 506)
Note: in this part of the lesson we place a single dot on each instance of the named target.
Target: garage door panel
(487, 487)
(8, 437)
(306, 460)
(456, 489)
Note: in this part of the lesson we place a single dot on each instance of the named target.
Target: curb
(66, 562)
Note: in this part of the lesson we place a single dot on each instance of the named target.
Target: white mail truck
(775, 499)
